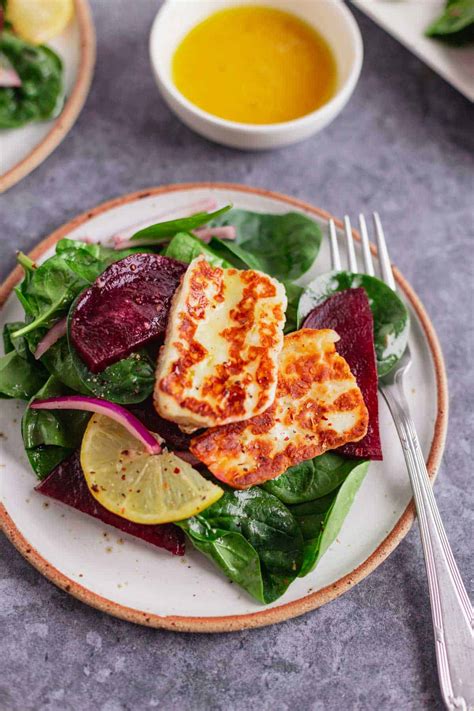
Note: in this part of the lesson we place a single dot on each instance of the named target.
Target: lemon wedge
(38, 21)
(138, 486)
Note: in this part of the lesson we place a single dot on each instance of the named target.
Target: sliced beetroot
(126, 307)
(67, 484)
(348, 313)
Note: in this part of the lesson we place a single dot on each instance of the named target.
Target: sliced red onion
(123, 243)
(9, 77)
(121, 239)
(205, 233)
(102, 407)
(54, 334)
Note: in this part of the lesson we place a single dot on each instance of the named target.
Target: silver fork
(451, 609)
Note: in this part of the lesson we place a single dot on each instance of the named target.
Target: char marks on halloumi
(219, 362)
(318, 406)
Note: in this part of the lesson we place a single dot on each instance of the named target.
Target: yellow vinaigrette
(255, 65)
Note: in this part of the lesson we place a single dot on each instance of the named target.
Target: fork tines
(383, 256)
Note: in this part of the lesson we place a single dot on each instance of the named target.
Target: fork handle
(451, 609)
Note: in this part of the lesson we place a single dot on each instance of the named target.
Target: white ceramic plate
(23, 149)
(144, 584)
(407, 20)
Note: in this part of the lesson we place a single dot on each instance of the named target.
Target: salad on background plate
(47, 50)
(184, 388)
(31, 73)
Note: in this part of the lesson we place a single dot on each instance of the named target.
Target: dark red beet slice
(348, 313)
(66, 483)
(126, 307)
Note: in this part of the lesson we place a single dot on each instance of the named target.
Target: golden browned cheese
(318, 406)
(219, 362)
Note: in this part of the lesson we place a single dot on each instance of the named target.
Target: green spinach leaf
(234, 255)
(50, 436)
(311, 517)
(253, 538)
(90, 260)
(321, 520)
(29, 267)
(187, 247)
(58, 361)
(284, 245)
(456, 24)
(20, 375)
(47, 292)
(162, 231)
(391, 319)
(311, 479)
(45, 458)
(41, 94)
(128, 381)
(19, 345)
(293, 294)
(19, 378)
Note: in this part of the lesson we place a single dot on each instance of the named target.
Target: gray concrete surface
(402, 146)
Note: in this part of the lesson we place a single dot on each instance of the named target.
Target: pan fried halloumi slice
(318, 406)
(219, 362)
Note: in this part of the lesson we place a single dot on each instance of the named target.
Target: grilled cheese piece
(318, 406)
(219, 362)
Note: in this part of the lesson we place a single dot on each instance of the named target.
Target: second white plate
(407, 20)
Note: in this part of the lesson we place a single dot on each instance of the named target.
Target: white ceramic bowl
(330, 17)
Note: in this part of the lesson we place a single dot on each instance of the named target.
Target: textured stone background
(403, 146)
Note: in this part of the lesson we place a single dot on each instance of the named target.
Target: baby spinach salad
(94, 321)
(31, 82)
